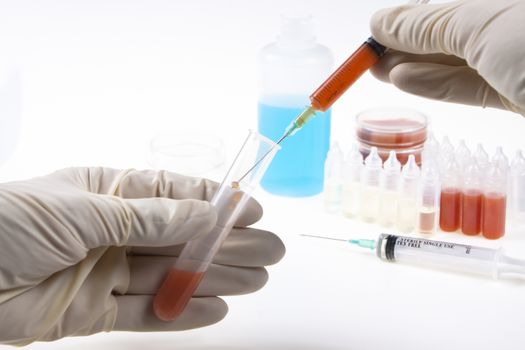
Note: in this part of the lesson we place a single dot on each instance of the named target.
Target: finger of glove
(148, 272)
(424, 29)
(150, 183)
(381, 70)
(247, 247)
(145, 222)
(135, 313)
(445, 83)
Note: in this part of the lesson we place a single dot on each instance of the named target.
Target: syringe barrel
(441, 255)
(358, 63)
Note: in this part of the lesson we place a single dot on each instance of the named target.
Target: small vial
(430, 149)
(353, 166)
(333, 179)
(446, 151)
(471, 201)
(494, 204)
(370, 190)
(428, 198)
(516, 194)
(450, 203)
(481, 157)
(463, 155)
(389, 182)
(407, 207)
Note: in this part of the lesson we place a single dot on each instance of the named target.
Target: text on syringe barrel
(442, 255)
(359, 62)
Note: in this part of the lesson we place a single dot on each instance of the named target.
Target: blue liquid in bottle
(298, 168)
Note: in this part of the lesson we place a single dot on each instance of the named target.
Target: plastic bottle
(352, 169)
(494, 203)
(482, 158)
(290, 69)
(428, 198)
(471, 201)
(450, 203)
(430, 149)
(370, 189)
(446, 151)
(516, 194)
(500, 160)
(333, 179)
(407, 204)
(463, 156)
(389, 182)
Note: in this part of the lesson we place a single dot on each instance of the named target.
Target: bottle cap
(392, 165)
(481, 156)
(373, 160)
(410, 169)
(354, 157)
(500, 160)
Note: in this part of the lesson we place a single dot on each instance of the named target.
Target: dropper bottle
(471, 201)
(500, 160)
(494, 203)
(370, 190)
(516, 195)
(333, 179)
(407, 207)
(353, 167)
(450, 203)
(389, 182)
(482, 158)
(428, 198)
(430, 148)
(445, 151)
(463, 155)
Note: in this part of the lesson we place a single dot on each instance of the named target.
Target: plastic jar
(392, 129)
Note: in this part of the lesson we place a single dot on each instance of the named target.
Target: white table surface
(100, 78)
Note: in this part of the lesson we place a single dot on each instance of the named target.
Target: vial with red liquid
(428, 198)
(494, 203)
(450, 203)
(471, 201)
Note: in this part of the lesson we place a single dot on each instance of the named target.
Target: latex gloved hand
(469, 51)
(84, 250)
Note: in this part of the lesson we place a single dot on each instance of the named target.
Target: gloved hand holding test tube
(242, 178)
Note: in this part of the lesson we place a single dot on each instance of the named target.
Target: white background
(100, 78)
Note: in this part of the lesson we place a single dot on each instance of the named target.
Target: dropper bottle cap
(481, 157)
(431, 148)
(500, 160)
(392, 165)
(410, 169)
(463, 154)
(518, 163)
(451, 174)
(354, 157)
(446, 147)
(373, 160)
(334, 162)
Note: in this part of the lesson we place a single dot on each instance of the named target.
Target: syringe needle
(323, 237)
(286, 134)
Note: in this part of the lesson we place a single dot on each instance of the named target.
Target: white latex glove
(470, 51)
(84, 250)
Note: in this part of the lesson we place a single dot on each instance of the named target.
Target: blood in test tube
(175, 293)
(494, 214)
(471, 212)
(450, 209)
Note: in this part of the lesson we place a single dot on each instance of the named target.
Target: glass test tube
(229, 200)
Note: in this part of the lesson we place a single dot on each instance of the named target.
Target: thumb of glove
(152, 222)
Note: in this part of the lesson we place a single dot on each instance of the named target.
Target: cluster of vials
(455, 190)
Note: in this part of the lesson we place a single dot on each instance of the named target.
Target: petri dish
(190, 153)
(391, 127)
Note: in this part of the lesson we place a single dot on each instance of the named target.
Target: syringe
(445, 255)
(341, 79)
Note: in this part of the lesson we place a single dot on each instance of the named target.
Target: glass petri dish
(191, 154)
(391, 127)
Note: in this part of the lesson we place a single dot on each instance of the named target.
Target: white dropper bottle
(370, 189)
(353, 167)
(333, 179)
(428, 198)
(407, 208)
(516, 195)
(389, 182)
